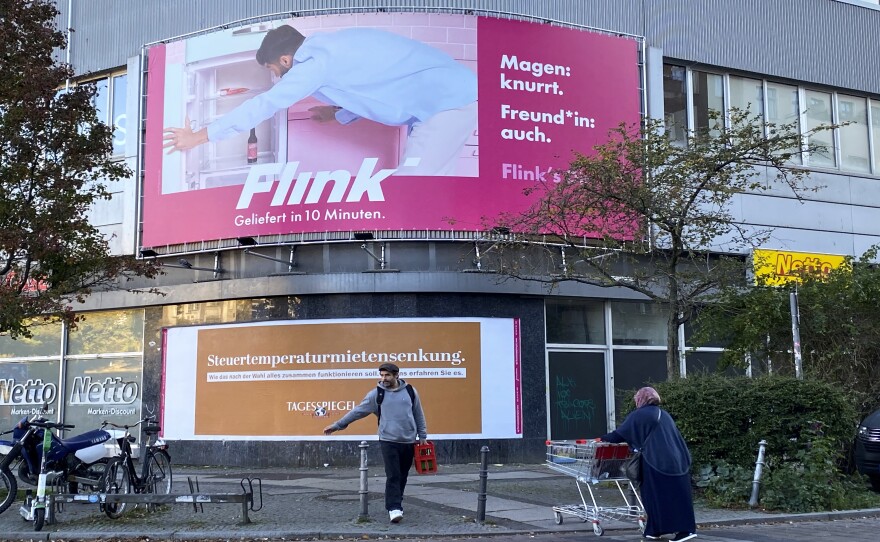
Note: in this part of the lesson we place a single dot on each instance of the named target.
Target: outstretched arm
(368, 406)
(302, 80)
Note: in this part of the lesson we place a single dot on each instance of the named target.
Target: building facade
(298, 256)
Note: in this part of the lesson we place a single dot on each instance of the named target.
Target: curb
(326, 535)
(795, 518)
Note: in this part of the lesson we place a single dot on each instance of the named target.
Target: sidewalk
(324, 503)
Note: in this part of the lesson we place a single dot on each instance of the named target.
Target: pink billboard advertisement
(377, 121)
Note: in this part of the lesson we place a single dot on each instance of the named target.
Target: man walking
(401, 420)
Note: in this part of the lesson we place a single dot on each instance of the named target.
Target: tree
(839, 329)
(54, 161)
(644, 213)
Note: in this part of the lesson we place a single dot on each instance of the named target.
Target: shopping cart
(589, 463)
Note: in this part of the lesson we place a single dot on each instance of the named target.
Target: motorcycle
(77, 462)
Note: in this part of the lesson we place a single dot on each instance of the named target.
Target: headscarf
(646, 396)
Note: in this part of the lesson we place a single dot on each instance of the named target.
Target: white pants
(437, 142)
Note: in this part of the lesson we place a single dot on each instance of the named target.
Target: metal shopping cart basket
(589, 463)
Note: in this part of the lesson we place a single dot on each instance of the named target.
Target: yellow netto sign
(778, 267)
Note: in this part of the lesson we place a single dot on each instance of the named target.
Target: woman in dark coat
(666, 463)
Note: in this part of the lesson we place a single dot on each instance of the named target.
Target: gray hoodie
(402, 419)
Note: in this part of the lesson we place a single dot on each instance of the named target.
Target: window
(854, 155)
(638, 324)
(110, 98)
(708, 92)
(782, 108)
(575, 322)
(875, 133)
(818, 112)
(45, 340)
(748, 95)
(99, 388)
(675, 103)
(110, 331)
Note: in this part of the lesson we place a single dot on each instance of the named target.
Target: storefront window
(638, 324)
(214, 312)
(107, 332)
(632, 370)
(45, 341)
(101, 389)
(575, 322)
(25, 387)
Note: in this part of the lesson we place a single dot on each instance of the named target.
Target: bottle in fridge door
(252, 147)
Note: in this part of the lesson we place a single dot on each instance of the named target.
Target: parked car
(868, 448)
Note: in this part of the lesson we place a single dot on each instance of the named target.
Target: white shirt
(369, 73)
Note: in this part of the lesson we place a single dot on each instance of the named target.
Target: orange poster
(291, 379)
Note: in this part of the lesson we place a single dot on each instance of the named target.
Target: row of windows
(573, 321)
(97, 333)
(689, 96)
(85, 390)
(582, 322)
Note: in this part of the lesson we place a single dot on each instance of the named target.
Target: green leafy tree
(839, 328)
(54, 161)
(644, 213)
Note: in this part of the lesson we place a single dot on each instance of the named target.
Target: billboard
(287, 380)
(779, 267)
(374, 121)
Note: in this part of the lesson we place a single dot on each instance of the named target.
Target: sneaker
(681, 537)
(395, 515)
(649, 537)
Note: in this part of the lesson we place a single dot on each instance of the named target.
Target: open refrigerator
(214, 88)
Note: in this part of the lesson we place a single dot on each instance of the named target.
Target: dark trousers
(398, 458)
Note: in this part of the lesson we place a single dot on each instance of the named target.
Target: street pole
(484, 477)
(364, 491)
(796, 335)
(756, 481)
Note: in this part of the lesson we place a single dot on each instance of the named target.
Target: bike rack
(194, 497)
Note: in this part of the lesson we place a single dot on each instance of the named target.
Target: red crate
(611, 451)
(426, 458)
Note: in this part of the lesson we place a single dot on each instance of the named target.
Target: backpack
(380, 396)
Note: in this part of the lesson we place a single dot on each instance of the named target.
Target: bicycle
(122, 476)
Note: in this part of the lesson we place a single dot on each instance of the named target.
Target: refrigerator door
(218, 89)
